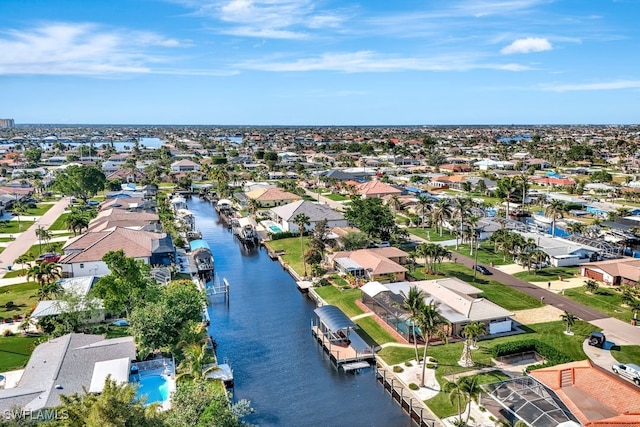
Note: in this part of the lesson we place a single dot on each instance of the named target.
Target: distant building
(7, 123)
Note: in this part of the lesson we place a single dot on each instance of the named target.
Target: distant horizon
(299, 62)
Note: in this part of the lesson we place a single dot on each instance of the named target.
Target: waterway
(265, 333)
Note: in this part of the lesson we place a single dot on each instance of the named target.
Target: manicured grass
(607, 301)
(117, 331)
(61, 222)
(35, 250)
(377, 334)
(14, 273)
(338, 281)
(336, 197)
(486, 255)
(431, 234)
(15, 226)
(547, 273)
(344, 299)
(23, 296)
(627, 354)
(6, 239)
(503, 295)
(15, 352)
(292, 253)
(40, 209)
(447, 355)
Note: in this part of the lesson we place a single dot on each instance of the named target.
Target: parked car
(628, 370)
(482, 269)
(383, 244)
(597, 339)
(48, 257)
(93, 203)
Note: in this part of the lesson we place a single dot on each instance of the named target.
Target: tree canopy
(82, 182)
(372, 217)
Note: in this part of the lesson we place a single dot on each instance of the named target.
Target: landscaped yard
(547, 274)
(344, 299)
(503, 295)
(40, 209)
(35, 250)
(486, 255)
(606, 300)
(375, 334)
(627, 354)
(431, 234)
(14, 273)
(15, 352)
(336, 197)
(15, 226)
(61, 222)
(448, 355)
(23, 295)
(292, 252)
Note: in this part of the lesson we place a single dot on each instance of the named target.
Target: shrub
(398, 369)
(7, 333)
(283, 235)
(407, 363)
(553, 356)
(323, 282)
(9, 304)
(414, 386)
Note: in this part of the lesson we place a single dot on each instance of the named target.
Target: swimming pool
(275, 229)
(154, 388)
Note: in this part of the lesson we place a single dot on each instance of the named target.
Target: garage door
(595, 275)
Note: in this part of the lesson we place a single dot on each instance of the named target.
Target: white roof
(118, 369)
(373, 288)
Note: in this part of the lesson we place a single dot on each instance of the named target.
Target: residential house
(185, 165)
(78, 287)
(114, 217)
(562, 252)
(377, 189)
(127, 175)
(83, 254)
(615, 272)
(375, 264)
(284, 215)
(458, 302)
(270, 197)
(66, 365)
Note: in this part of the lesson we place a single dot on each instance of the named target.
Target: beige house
(376, 188)
(270, 197)
(375, 264)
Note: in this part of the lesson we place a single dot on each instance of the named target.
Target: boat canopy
(199, 244)
(333, 318)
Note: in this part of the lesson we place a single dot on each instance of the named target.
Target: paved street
(28, 237)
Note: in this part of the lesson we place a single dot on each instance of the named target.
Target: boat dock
(304, 286)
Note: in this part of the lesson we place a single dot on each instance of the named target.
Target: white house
(284, 215)
(185, 165)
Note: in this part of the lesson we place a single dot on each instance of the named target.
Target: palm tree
(19, 208)
(430, 322)
(591, 286)
(395, 203)
(23, 260)
(464, 391)
(439, 214)
(302, 221)
(198, 362)
(43, 234)
(460, 208)
(473, 331)
(413, 303)
(569, 320)
(555, 211)
(45, 274)
(423, 207)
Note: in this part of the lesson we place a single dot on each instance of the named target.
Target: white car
(628, 370)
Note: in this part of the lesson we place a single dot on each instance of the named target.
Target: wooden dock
(304, 286)
(341, 353)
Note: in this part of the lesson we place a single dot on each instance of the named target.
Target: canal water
(265, 332)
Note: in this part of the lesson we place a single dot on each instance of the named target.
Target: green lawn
(117, 331)
(605, 300)
(40, 209)
(15, 352)
(344, 299)
(35, 250)
(447, 355)
(15, 226)
(627, 354)
(336, 197)
(292, 253)
(375, 334)
(431, 234)
(486, 255)
(503, 295)
(23, 296)
(547, 274)
(339, 281)
(61, 222)
(14, 273)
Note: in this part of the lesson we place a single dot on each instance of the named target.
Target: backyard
(431, 234)
(23, 296)
(15, 351)
(292, 254)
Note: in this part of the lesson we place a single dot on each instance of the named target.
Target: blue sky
(324, 62)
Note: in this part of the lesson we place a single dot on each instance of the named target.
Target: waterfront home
(185, 165)
(66, 365)
(285, 215)
(127, 175)
(114, 217)
(377, 189)
(83, 254)
(375, 264)
(589, 395)
(269, 197)
(615, 272)
(562, 252)
(458, 302)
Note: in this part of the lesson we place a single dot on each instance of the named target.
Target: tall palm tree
(19, 209)
(473, 331)
(555, 211)
(413, 303)
(460, 209)
(439, 214)
(509, 187)
(45, 274)
(302, 221)
(431, 324)
(464, 391)
(569, 320)
(395, 203)
(197, 363)
(423, 205)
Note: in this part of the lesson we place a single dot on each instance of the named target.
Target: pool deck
(157, 367)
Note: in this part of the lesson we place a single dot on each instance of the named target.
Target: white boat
(541, 219)
(246, 230)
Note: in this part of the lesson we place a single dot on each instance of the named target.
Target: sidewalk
(28, 238)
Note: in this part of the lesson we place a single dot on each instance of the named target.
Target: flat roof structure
(333, 318)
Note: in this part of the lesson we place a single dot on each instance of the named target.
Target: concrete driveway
(618, 332)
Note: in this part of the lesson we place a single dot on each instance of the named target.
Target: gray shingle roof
(315, 211)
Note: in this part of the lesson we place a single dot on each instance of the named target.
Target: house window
(81, 265)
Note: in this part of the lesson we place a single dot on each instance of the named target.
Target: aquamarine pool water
(154, 388)
(275, 229)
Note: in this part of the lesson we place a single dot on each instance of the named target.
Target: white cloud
(615, 85)
(527, 45)
(79, 49)
(369, 62)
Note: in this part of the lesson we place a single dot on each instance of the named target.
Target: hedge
(283, 235)
(553, 356)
